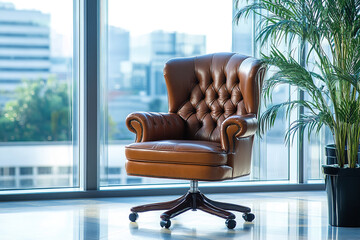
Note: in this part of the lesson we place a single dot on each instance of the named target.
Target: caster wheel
(133, 216)
(165, 223)
(248, 217)
(230, 223)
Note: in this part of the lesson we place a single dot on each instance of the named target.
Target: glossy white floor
(281, 215)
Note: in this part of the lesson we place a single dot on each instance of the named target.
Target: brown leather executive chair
(207, 134)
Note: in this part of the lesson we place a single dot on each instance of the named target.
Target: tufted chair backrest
(206, 90)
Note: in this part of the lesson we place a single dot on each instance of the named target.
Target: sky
(61, 12)
(212, 18)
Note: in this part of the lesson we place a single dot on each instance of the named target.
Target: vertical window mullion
(301, 96)
(91, 73)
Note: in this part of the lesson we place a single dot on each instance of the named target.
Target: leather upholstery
(235, 127)
(213, 105)
(178, 151)
(206, 90)
(179, 171)
(155, 126)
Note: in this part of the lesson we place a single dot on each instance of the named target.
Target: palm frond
(331, 31)
(311, 123)
(267, 118)
(290, 72)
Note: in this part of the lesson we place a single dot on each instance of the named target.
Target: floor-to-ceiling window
(38, 95)
(43, 94)
(137, 39)
(140, 36)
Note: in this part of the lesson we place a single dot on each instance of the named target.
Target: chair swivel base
(193, 200)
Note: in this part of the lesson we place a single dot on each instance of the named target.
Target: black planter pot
(343, 193)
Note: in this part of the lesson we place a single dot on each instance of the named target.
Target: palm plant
(335, 87)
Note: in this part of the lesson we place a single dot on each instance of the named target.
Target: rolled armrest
(155, 126)
(237, 127)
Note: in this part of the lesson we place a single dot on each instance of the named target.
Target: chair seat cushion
(178, 152)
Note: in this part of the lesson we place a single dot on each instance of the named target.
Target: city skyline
(133, 79)
(199, 19)
(120, 49)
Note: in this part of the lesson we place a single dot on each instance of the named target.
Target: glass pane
(315, 145)
(134, 48)
(37, 94)
(242, 33)
(314, 154)
(271, 154)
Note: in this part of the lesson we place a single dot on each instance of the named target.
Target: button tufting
(214, 94)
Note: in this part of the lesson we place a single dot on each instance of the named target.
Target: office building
(24, 47)
(157, 47)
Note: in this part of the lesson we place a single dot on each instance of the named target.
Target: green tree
(41, 111)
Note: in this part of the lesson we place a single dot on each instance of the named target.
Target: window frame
(90, 135)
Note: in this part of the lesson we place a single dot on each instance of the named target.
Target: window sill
(153, 190)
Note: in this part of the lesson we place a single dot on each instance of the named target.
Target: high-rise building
(24, 46)
(118, 52)
(157, 47)
(141, 83)
(25, 54)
